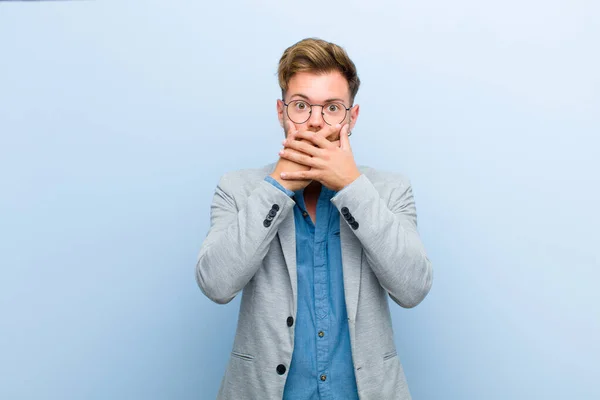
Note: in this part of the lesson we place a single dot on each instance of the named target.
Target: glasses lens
(334, 113)
(298, 111)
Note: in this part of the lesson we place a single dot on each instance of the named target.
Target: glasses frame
(287, 110)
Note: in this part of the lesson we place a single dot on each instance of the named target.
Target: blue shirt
(321, 366)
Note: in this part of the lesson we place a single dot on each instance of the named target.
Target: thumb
(344, 141)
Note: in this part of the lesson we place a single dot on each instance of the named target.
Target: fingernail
(283, 174)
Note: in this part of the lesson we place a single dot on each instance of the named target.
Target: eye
(333, 108)
(300, 105)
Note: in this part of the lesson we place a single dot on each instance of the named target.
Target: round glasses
(299, 111)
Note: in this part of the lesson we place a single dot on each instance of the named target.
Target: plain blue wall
(117, 118)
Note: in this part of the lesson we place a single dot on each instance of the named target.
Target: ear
(354, 111)
(280, 109)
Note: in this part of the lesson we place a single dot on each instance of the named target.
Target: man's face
(318, 89)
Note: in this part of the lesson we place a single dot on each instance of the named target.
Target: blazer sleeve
(238, 239)
(389, 236)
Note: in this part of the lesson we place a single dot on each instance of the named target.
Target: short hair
(317, 56)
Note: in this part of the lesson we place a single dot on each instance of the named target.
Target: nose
(315, 122)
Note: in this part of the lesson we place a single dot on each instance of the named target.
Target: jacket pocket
(245, 357)
(389, 355)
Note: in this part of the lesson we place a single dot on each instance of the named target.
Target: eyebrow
(326, 101)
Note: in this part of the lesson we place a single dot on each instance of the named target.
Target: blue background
(117, 119)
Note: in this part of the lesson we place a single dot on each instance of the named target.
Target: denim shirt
(321, 366)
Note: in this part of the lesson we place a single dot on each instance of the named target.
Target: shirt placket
(321, 290)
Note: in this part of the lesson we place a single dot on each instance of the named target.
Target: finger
(299, 158)
(292, 137)
(315, 138)
(331, 132)
(291, 128)
(302, 146)
(300, 175)
(344, 140)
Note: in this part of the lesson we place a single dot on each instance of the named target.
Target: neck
(313, 188)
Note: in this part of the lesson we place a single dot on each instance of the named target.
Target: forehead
(319, 87)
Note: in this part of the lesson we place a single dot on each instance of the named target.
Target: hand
(288, 165)
(330, 164)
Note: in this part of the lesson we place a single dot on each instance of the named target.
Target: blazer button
(275, 207)
(290, 321)
(281, 369)
(272, 213)
(345, 211)
(354, 225)
(350, 220)
(267, 223)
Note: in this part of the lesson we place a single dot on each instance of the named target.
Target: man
(317, 244)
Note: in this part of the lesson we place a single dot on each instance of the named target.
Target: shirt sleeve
(278, 185)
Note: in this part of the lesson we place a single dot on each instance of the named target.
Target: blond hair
(317, 56)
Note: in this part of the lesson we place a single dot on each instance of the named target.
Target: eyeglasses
(299, 111)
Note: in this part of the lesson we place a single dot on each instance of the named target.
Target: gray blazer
(251, 246)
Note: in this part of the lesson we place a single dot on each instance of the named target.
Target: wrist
(285, 184)
(350, 179)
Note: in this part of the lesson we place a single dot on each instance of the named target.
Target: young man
(317, 244)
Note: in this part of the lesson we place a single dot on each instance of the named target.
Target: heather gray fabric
(383, 256)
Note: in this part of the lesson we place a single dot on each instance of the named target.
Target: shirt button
(321, 333)
(323, 377)
(304, 214)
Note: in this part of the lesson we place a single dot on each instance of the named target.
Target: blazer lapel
(287, 238)
(351, 266)
(286, 234)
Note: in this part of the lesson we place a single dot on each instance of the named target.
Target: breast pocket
(334, 244)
